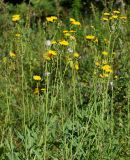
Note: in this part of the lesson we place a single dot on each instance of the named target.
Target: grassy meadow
(64, 87)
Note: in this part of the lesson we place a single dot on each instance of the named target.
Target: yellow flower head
(105, 53)
(51, 19)
(65, 31)
(12, 54)
(106, 14)
(36, 90)
(90, 37)
(76, 55)
(107, 68)
(123, 17)
(97, 63)
(17, 35)
(114, 17)
(76, 66)
(64, 43)
(37, 78)
(72, 20)
(105, 19)
(49, 55)
(116, 12)
(77, 23)
(16, 17)
(72, 31)
(105, 75)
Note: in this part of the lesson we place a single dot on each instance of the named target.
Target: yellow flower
(105, 53)
(49, 55)
(106, 14)
(64, 43)
(105, 19)
(90, 37)
(72, 31)
(36, 91)
(16, 17)
(65, 31)
(116, 12)
(114, 17)
(76, 23)
(17, 35)
(76, 55)
(76, 66)
(51, 19)
(72, 20)
(107, 68)
(37, 78)
(105, 75)
(123, 17)
(54, 17)
(12, 54)
(97, 63)
(67, 34)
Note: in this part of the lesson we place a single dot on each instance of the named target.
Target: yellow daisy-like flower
(116, 12)
(65, 31)
(123, 17)
(97, 63)
(49, 55)
(105, 75)
(105, 53)
(12, 54)
(36, 91)
(90, 37)
(76, 23)
(76, 66)
(106, 14)
(64, 43)
(16, 17)
(54, 17)
(72, 31)
(37, 78)
(105, 19)
(72, 20)
(114, 17)
(17, 35)
(51, 19)
(107, 68)
(76, 55)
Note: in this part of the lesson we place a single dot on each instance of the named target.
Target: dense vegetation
(64, 83)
